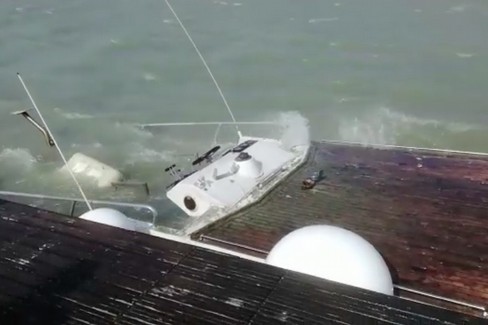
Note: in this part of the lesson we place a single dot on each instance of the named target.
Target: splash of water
(19, 159)
(295, 129)
(386, 126)
(15, 164)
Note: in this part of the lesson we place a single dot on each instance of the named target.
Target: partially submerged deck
(425, 211)
(59, 270)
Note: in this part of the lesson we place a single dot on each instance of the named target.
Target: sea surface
(403, 72)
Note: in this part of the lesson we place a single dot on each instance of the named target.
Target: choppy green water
(380, 71)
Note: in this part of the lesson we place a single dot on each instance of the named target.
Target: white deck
(230, 183)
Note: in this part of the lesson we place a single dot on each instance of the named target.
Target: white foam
(457, 9)
(346, 99)
(139, 153)
(95, 145)
(383, 126)
(464, 55)
(133, 131)
(72, 116)
(322, 20)
(364, 131)
(149, 76)
(19, 158)
(411, 120)
(295, 129)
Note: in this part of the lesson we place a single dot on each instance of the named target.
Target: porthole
(190, 203)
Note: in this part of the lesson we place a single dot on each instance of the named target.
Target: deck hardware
(36, 124)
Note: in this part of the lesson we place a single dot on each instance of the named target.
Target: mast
(51, 137)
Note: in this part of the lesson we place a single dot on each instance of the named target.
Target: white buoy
(335, 254)
(109, 217)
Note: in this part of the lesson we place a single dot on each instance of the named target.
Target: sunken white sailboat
(234, 179)
(416, 229)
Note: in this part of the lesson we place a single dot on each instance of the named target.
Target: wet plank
(56, 270)
(425, 211)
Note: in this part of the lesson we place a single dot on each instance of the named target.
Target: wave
(465, 55)
(457, 9)
(71, 115)
(139, 153)
(20, 159)
(16, 164)
(133, 131)
(386, 126)
(322, 20)
(95, 145)
(149, 76)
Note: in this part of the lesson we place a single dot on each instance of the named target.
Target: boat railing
(481, 309)
(75, 201)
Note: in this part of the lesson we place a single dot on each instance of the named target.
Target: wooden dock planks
(425, 211)
(59, 270)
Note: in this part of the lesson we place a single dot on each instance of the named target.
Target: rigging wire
(206, 66)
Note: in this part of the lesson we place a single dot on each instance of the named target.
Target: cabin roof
(54, 269)
(230, 179)
(425, 211)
